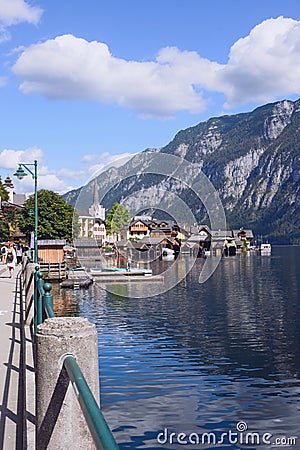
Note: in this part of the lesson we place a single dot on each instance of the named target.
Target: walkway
(16, 368)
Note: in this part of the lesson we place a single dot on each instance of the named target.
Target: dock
(118, 277)
(83, 277)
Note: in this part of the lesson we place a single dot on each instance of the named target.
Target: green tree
(117, 217)
(55, 217)
(4, 226)
(10, 214)
(3, 192)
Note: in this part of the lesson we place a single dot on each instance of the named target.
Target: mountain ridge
(251, 158)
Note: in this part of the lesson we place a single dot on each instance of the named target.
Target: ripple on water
(201, 357)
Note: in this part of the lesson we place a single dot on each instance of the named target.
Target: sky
(84, 83)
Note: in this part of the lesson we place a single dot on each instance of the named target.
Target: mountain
(252, 159)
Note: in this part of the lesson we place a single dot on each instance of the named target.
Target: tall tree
(4, 226)
(3, 192)
(117, 217)
(55, 217)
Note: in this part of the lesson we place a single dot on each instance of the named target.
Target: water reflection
(201, 356)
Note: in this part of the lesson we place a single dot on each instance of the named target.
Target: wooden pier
(53, 271)
(126, 278)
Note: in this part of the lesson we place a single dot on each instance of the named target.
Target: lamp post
(20, 174)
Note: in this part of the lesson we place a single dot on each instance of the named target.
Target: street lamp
(20, 174)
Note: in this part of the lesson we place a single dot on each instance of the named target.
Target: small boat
(168, 254)
(77, 272)
(77, 277)
(76, 283)
(265, 249)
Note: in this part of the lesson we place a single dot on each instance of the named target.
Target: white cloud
(47, 178)
(15, 11)
(10, 159)
(89, 158)
(60, 180)
(100, 163)
(265, 64)
(70, 67)
(262, 66)
(4, 34)
(71, 174)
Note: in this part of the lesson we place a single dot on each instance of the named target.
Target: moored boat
(168, 254)
(265, 249)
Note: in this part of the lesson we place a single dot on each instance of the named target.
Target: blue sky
(82, 83)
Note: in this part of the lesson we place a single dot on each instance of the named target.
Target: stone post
(60, 422)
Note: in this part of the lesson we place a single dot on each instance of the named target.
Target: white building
(15, 199)
(92, 225)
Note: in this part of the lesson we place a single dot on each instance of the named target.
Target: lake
(212, 365)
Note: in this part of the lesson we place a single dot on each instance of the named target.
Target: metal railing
(99, 429)
(43, 299)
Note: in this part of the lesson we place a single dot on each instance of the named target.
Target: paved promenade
(16, 367)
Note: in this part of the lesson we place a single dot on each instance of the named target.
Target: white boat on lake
(168, 254)
(265, 249)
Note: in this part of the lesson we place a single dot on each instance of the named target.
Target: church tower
(96, 210)
(8, 185)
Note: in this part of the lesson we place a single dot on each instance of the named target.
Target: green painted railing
(43, 299)
(99, 429)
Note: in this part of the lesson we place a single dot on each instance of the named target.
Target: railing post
(60, 422)
(39, 299)
(47, 301)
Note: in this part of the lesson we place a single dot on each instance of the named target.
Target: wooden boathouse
(51, 258)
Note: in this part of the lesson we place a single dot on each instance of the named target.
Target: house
(217, 248)
(164, 228)
(51, 250)
(222, 242)
(201, 236)
(158, 243)
(243, 237)
(139, 228)
(99, 230)
(191, 248)
(92, 227)
(87, 248)
(143, 226)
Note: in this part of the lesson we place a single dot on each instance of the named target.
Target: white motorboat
(265, 249)
(168, 254)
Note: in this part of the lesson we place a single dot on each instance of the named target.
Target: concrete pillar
(60, 422)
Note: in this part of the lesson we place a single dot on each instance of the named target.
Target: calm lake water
(202, 361)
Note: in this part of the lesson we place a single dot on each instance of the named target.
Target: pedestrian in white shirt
(11, 259)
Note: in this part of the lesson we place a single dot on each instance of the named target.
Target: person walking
(19, 253)
(11, 259)
(3, 253)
